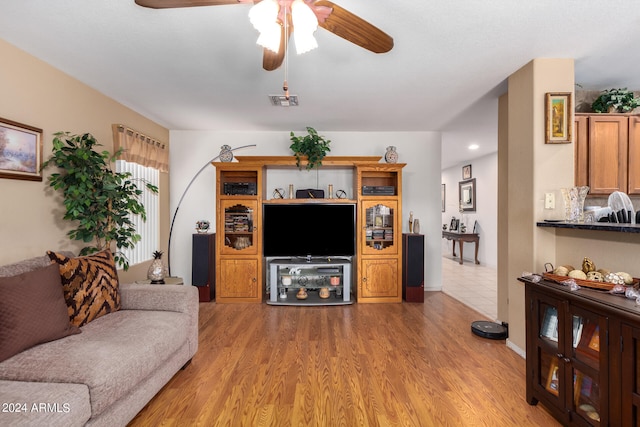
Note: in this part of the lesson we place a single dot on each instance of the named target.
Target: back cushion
(32, 311)
(90, 284)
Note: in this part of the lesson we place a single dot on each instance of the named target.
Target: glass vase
(574, 203)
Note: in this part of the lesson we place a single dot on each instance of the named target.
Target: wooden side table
(462, 237)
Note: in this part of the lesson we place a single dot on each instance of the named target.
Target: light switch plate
(549, 201)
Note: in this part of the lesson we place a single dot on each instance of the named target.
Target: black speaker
(203, 265)
(413, 267)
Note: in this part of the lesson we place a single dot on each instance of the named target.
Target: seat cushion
(32, 311)
(90, 283)
(31, 404)
(111, 355)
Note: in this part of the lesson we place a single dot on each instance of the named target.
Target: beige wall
(39, 95)
(534, 168)
(503, 203)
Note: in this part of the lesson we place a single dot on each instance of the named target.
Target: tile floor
(472, 284)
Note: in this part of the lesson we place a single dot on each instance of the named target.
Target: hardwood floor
(406, 364)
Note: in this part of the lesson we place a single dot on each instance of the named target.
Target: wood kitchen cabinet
(607, 156)
(583, 354)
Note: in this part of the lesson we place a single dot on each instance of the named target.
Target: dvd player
(381, 190)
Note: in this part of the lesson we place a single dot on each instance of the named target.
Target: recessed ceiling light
(474, 147)
(283, 101)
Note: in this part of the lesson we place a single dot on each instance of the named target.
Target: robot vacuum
(489, 330)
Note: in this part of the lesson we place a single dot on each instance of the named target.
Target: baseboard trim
(517, 349)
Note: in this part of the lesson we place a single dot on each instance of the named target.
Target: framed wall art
(467, 195)
(466, 172)
(558, 118)
(20, 151)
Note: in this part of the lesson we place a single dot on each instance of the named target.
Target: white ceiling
(200, 69)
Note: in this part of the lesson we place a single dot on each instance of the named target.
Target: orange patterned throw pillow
(90, 285)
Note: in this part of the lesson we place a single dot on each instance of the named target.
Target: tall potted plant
(312, 145)
(96, 198)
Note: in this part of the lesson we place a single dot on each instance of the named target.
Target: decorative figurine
(302, 294)
(202, 226)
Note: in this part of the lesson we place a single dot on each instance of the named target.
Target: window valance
(141, 149)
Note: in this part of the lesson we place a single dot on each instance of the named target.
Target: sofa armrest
(180, 298)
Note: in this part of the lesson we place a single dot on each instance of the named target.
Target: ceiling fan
(329, 16)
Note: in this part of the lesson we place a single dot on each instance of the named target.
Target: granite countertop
(600, 226)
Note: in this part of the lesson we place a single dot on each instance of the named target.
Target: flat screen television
(302, 230)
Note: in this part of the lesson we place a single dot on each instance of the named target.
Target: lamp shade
(305, 24)
(264, 18)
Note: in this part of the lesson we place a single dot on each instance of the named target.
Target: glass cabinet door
(551, 361)
(239, 228)
(379, 228)
(588, 355)
(631, 377)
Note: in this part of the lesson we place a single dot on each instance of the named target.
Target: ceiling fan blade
(166, 4)
(350, 27)
(271, 60)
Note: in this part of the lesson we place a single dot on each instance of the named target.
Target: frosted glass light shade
(305, 24)
(264, 18)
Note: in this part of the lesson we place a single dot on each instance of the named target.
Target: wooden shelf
(272, 161)
(307, 201)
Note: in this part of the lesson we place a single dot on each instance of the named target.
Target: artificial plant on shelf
(96, 198)
(615, 101)
(312, 145)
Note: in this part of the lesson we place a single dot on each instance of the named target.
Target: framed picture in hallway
(467, 195)
(466, 172)
(20, 151)
(558, 118)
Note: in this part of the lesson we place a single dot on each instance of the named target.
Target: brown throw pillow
(32, 311)
(90, 285)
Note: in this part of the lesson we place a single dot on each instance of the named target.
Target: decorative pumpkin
(561, 271)
(577, 274)
(628, 280)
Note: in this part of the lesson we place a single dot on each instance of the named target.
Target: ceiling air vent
(282, 101)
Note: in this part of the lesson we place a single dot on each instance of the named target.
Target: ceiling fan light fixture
(264, 18)
(305, 23)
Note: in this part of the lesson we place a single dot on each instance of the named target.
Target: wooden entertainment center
(241, 192)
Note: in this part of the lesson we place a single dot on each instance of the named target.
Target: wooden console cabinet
(583, 354)
(241, 192)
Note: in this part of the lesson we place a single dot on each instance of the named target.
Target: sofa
(101, 373)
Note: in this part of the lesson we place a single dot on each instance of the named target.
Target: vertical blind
(144, 158)
(149, 230)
